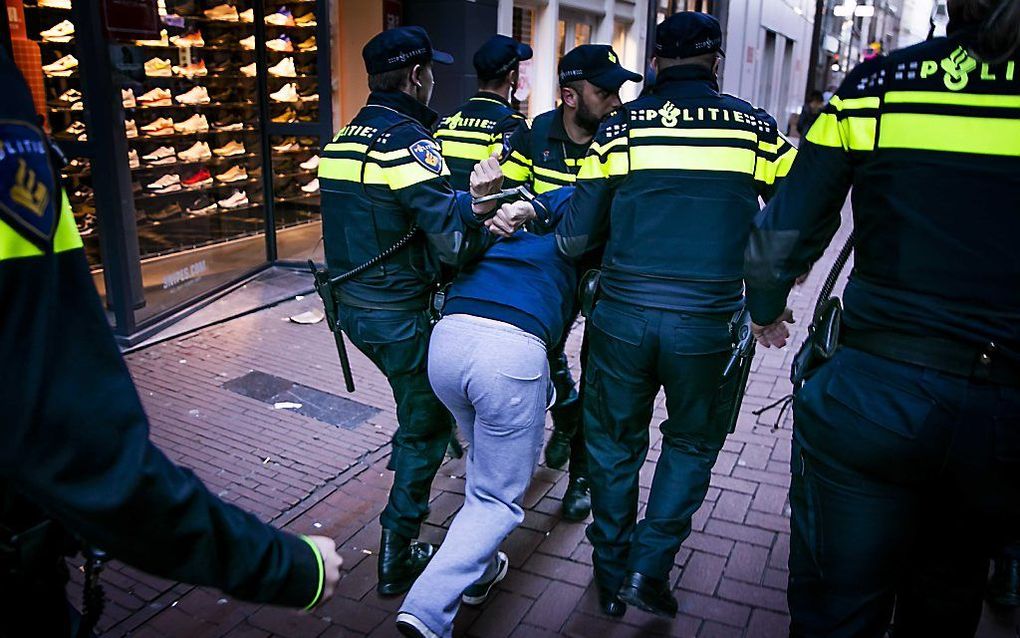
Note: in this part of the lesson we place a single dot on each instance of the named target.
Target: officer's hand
(486, 179)
(776, 333)
(510, 217)
(332, 562)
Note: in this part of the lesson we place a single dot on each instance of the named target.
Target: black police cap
(598, 64)
(498, 56)
(688, 34)
(400, 48)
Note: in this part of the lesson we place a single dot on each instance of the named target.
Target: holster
(437, 301)
(588, 292)
(331, 308)
(821, 342)
(734, 377)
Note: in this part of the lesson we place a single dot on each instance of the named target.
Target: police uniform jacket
(73, 436)
(929, 140)
(671, 186)
(479, 128)
(382, 174)
(542, 156)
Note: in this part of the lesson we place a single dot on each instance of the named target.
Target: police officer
(385, 189)
(670, 188)
(74, 451)
(483, 125)
(906, 458)
(546, 156)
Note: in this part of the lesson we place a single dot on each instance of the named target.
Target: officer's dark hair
(999, 31)
(395, 80)
(706, 60)
(495, 83)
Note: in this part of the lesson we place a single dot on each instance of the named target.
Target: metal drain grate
(315, 404)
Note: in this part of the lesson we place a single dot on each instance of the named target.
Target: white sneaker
(284, 68)
(130, 129)
(281, 44)
(60, 32)
(409, 625)
(248, 70)
(155, 97)
(70, 96)
(64, 67)
(310, 164)
(248, 16)
(288, 93)
(248, 43)
(197, 95)
(56, 4)
(195, 124)
(312, 186)
(166, 184)
(237, 199)
(160, 126)
(197, 152)
(477, 593)
(161, 156)
(127, 98)
(133, 159)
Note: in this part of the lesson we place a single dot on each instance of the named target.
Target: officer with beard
(545, 157)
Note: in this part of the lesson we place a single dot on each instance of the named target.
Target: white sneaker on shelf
(287, 93)
(248, 70)
(62, 68)
(70, 96)
(237, 199)
(127, 98)
(155, 97)
(197, 152)
(161, 156)
(167, 184)
(158, 127)
(133, 159)
(232, 148)
(60, 32)
(56, 4)
(197, 95)
(310, 164)
(284, 68)
(247, 16)
(195, 124)
(130, 129)
(312, 186)
(248, 43)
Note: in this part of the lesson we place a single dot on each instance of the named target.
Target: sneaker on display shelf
(233, 174)
(155, 97)
(282, 18)
(167, 184)
(130, 129)
(197, 95)
(195, 124)
(157, 68)
(61, 32)
(62, 68)
(197, 152)
(230, 149)
(310, 164)
(287, 93)
(158, 127)
(281, 44)
(161, 156)
(201, 177)
(237, 199)
(284, 68)
(127, 98)
(223, 12)
(133, 161)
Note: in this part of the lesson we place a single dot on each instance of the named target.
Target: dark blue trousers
(634, 352)
(905, 481)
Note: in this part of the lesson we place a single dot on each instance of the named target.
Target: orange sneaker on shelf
(233, 174)
(193, 39)
(159, 127)
(223, 12)
(193, 70)
(230, 149)
(155, 97)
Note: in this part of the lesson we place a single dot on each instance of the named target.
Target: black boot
(577, 500)
(1004, 587)
(610, 603)
(557, 450)
(401, 560)
(650, 594)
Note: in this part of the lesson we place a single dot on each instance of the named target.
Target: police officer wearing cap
(483, 125)
(76, 463)
(669, 189)
(386, 191)
(906, 449)
(546, 156)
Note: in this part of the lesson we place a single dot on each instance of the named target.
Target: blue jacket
(523, 281)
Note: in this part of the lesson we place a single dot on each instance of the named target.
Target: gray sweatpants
(494, 378)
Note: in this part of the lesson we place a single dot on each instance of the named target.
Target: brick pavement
(316, 478)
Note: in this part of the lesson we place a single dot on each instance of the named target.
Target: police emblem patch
(427, 153)
(26, 180)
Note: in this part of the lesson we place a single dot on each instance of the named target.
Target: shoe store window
(223, 117)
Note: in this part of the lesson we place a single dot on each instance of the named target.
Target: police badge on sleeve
(426, 153)
(26, 182)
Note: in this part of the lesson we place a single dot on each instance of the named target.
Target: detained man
(488, 364)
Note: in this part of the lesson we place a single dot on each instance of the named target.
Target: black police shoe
(577, 500)
(401, 560)
(1004, 586)
(410, 626)
(478, 593)
(610, 603)
(650, 594)
(557, 450)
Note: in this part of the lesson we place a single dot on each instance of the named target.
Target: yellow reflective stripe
(516, 170)
(465, 150)
(825, 132)
(548, 172)
(544, 187)
(409, 174)
(859, 132)
(951, 133)
(692, 158)
(14, 246)
(855, 104)
(955, 99)
(603, 148)
(614, 164)
(349, 170)
(769, 171)
(464, 135)
(485, 99)
(717, 133)
(355, 147)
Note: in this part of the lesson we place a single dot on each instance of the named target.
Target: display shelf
(186, 136)
(148, 196)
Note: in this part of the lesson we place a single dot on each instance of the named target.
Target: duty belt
(979, 363)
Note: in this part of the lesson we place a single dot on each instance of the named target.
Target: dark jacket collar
(405, 105)
(495, 97)
(686, 77)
